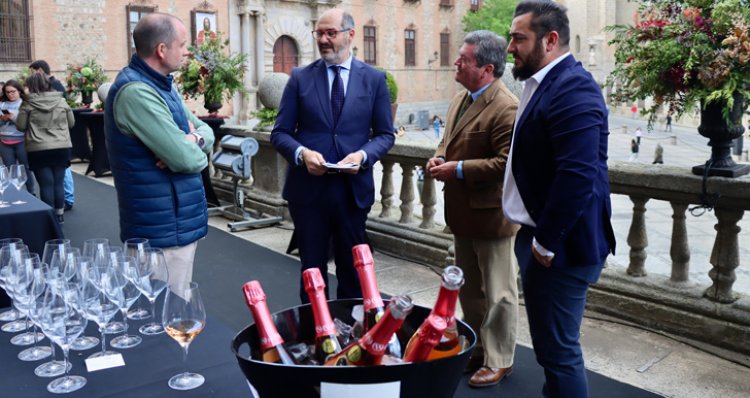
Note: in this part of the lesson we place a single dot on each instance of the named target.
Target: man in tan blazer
(470, 160)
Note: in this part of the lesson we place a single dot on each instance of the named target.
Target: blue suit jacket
(305, 118)
(560, 166)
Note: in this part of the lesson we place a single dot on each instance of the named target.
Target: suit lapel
(548, 80)
(321, 87)
(474, 110)
(353, 89)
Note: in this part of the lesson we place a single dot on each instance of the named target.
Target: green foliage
(683, 53)
(267, 116)
(23, 74)
(211, 72)
(84, 79)
(494, 15)
(390, 82)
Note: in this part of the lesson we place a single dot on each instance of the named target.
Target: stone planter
(721, 132)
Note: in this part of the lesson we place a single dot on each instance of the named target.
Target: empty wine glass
(123, 292)
(18, 179)
(4, 182)
(152, 278)
(11, 314)
(114, 327)
(97, 249)
(55, 248)
(11, 257)
(36, 307)
(62, 323)
(183, 318)
(95, 304)
(136, 247)
(29, 285)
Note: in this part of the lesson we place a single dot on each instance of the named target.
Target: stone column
(247, 104)
(637, 238)
(725, 256)
(407, 193)
(259, 46)
(679, 250)
(386, 189)
(428, 199)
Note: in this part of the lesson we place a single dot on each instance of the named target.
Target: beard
(336, 56)
(531, 64)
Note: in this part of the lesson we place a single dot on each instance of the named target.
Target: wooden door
(285, 55)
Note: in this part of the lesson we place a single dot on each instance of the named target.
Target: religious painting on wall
(204, 25)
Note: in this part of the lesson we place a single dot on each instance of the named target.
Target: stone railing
(402, 222)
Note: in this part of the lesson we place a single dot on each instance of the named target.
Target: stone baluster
(386, 189)
(725, 256)
(637, 237)
(429, 200)
(679, 249)
(407, 193)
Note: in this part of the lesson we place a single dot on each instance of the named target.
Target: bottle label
(325, 330)
(268, 340)
(374, 347)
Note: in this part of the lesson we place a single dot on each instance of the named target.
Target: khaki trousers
(489, 297)
(180, 265)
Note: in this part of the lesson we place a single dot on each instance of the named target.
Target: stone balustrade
(713, 314)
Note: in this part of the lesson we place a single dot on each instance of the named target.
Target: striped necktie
(337, 94)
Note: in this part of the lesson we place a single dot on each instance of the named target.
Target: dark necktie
(466, 104)
(337, 94)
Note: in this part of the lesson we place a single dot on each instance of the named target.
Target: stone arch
(294, 28)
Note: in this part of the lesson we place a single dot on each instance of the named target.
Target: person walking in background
(634, 147)
(157, 147)
(436, 126)
(46, 119)
(472, 166)
(41, 66)
(557, 188)
(668, 127)
(658, 154)
(12, 146)
(334, 110)
(638, 135)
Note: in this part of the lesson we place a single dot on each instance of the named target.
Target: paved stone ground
(642, 358)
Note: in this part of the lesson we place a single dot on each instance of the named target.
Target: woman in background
(12, 148)
(46, 118)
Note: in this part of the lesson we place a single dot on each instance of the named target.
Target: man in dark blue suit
(335, 112)
(557, 188)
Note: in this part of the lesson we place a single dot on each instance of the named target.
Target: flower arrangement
(683, 53)
(84, 79)
(211, 73)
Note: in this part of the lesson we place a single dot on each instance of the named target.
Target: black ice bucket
(438, 378)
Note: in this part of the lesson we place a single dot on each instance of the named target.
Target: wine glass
(62, 323)
(55, 248)
(18, 178)
(29, 285)
(136, 247)
(183, 318)
(74, 272)
(4, 182)
(114, 327)
(151, 279)
(95, 304)
(11, 257)
(36, 307)
(123, 292)
(11, 314)
(97, 249)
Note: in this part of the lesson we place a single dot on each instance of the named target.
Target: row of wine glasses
(15, 175)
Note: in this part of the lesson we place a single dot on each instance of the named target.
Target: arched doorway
(284, 55)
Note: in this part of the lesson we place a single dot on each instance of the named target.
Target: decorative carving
(205, 5)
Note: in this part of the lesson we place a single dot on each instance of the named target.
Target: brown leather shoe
(486, 376)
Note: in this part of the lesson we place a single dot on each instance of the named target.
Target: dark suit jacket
(560, 166)
(305, 118)
(481, 138)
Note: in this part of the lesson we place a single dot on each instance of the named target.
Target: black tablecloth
(34, 222)
(79, 136)
(99, 160)
(147, 369)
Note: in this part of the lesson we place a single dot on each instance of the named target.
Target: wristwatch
(199, 139)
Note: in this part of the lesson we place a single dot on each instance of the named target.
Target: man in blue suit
(334, 123)
(557, 188)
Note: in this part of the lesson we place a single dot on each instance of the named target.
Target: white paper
(341, 166)
(106, 362)
(380, 390)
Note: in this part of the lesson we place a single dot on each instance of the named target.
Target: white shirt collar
(542, 73)
(346, 64)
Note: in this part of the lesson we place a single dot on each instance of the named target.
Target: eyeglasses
(331, 33)
(11, 92)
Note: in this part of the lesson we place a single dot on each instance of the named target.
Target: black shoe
(68, 206)
(60, 219)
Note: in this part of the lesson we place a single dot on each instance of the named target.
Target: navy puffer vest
(167, 208)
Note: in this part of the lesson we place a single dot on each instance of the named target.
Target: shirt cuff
(364, 157)
(544, 252)
(460, 170)
(298, 155)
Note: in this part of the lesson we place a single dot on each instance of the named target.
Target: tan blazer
(481, 138)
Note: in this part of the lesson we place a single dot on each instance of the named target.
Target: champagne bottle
(426, 338)
(271, 343)
(445, 306)
(373, 303)
(326, 340)
(370, 348)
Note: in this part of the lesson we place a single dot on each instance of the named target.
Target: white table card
(380, 390)
(105, 362)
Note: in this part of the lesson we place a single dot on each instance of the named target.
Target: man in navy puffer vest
(157, 147)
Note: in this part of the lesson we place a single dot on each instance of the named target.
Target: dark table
(33, 221)
(147, 369)
(99, 160)
(79, 136)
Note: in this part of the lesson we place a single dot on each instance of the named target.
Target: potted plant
(84, 80)
(212, 73)
(390, 82)
(688, 53)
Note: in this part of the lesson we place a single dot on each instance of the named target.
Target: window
(446, 3)
(135, 13)
(445, 49)
(409, 48)
(475, 4)
(15, 41)
(371, 49)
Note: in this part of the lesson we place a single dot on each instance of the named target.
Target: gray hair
(153, 29)
(347, 21)
(490, 49)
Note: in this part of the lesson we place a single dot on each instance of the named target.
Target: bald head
(153, 29)
(337, 17)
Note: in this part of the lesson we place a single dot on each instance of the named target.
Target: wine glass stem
(65, 353)
(153, 309)
(125, 320)
(104, 342)
(185, 348)
(52, 346)
(36, 338)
